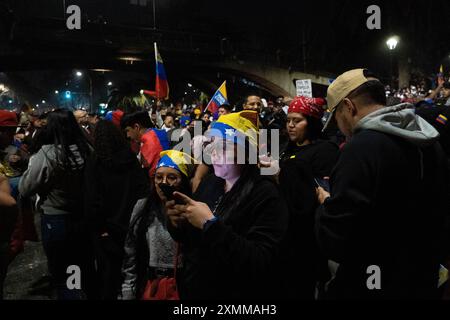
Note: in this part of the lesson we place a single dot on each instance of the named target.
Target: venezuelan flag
(218, 99)
(442, 119)
(162, 85)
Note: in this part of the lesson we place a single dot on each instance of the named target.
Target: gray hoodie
(60, 191)
(400, 121)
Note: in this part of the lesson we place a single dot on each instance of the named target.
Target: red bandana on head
(308, 106)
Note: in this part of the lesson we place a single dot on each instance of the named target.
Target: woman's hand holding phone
(197, 213)
(174, 215)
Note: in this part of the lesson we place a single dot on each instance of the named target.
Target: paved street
(26, 279)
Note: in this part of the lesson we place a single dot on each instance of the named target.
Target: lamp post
(79, 75)
(392, 44)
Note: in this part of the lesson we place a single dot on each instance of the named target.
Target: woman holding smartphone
(306, 162)
(150, 252)
(230, 231)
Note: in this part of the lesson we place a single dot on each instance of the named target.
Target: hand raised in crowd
(175, 215)
(268, 162)
(197, 213)
(322, 195)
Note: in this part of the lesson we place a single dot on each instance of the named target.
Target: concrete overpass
(45, 44)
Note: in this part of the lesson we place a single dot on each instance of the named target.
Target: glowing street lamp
(392, 42)
(79, 75)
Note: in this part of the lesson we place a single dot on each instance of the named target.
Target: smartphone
(322, 183)
(168, 191)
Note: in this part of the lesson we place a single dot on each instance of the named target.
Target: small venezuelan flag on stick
(218, 99)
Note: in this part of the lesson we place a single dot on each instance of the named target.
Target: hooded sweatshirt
(60, 191)
(400, 121)
(386, 209)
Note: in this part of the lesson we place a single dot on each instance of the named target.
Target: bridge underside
(39, 45)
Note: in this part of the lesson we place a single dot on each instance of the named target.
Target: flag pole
(156, 61)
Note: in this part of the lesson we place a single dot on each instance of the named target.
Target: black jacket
(386, 209)
(111, 191)
(300, 256)
(233, 258)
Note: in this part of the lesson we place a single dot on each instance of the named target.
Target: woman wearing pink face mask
(231, 232)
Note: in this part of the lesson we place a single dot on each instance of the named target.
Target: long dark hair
(314, 129)
(108, 140)
(63, 132)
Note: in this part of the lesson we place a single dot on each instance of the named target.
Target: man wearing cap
(382, 222)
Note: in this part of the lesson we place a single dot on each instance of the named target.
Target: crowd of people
(420, 90)
(359, 183)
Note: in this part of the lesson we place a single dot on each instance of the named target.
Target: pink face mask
(223, 161)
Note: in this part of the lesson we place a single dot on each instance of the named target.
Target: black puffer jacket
(233, 258)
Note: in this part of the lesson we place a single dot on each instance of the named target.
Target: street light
(56, 92)
(110, 84)
(79, 75)
(43, 101)
(392, 42)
